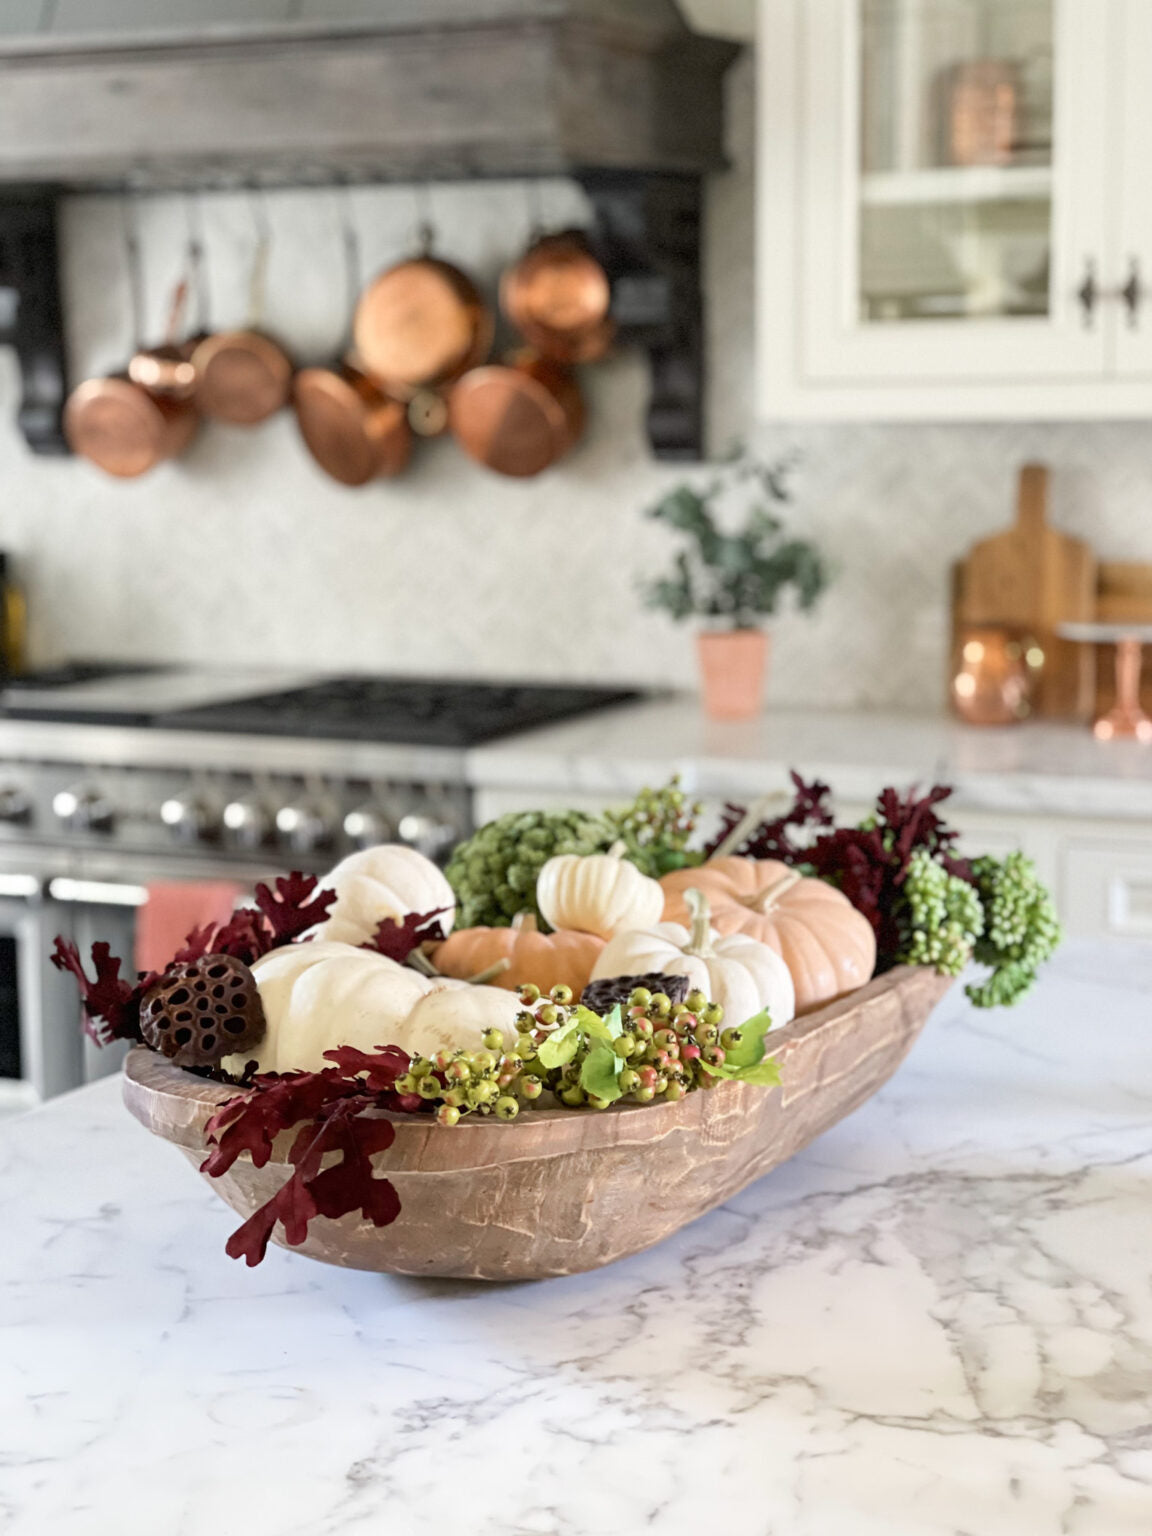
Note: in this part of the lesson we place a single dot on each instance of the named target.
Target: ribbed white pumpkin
(389, 880)
(600, 893)
(320, 994)
(741, 974)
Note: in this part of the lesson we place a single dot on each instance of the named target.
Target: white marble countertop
(935, 1322)
(1040, 767)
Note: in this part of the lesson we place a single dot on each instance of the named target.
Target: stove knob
(84, 809)
(247, 822)
(427, 834)
(189, 819)
(304, 826)
(15, 805)
(367, 825)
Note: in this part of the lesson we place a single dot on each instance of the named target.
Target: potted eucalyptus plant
(734, 578)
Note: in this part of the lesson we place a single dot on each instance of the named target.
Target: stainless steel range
(112, 780)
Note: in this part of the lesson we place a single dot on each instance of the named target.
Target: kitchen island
(935, 1320)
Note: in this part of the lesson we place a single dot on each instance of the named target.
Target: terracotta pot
(732, 667)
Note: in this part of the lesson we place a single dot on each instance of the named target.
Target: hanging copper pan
(517, 419)
(353, 431)
(558, 296)
(242, 377)
(421, 324)
(124, 428)
(127, 426)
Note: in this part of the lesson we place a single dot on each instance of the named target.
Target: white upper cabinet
(954, 209)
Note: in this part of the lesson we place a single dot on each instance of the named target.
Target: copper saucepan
(558, 296)
(351, 428)
(243, 376)
(420, 325)
(130, 422)
(518, 419)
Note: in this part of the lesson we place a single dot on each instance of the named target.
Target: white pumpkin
(740, 973)
(320, 994)
(600, 893)
(387, 881)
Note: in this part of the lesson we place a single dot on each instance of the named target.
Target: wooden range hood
(620, 94)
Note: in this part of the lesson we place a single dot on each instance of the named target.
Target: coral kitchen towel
(173, 909)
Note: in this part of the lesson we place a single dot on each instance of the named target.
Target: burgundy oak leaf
(396, 939)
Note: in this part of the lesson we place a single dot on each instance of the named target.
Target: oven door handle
(24, 887)
(96, 893)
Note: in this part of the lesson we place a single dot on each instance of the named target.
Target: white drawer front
(1107, 889)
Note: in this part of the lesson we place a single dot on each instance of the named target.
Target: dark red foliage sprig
(868, 863)
(329, 1111)
(111, 1002)
(772, 839)
(281, 915)
(396, 939)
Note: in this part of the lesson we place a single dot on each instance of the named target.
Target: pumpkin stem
(618, 849)
(525, 922)
(700, 940)
(766, 898)
(756, 813)
(490, 972)
(423, 963)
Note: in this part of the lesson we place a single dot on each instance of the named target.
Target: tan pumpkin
(828, 946)
(564, 958)
(599, 893)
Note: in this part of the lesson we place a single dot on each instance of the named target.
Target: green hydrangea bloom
(494, 872)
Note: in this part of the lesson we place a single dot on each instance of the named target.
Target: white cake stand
(1126, 718)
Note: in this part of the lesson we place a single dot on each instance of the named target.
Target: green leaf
(599, 1072)
(745, 1062)
(560, 1046)
(751, 1049)
(595, 1027)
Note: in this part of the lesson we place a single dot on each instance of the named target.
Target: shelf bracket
(646, 234)
(31, 313)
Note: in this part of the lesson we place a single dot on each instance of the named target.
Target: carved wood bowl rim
(152, 1083)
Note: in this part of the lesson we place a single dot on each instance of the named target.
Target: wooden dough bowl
(559, 1191)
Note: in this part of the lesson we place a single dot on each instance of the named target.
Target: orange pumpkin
(548, 959)
(828, 946)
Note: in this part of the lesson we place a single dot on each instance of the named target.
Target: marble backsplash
(243, 550)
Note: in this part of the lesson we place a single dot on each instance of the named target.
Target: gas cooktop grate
(398, 710)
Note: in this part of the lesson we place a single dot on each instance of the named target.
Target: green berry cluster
(494, 871)
(941, 916)
(565, 1055)
(1021, 929)
(657, 828)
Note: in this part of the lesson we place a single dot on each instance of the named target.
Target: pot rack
(619, 95)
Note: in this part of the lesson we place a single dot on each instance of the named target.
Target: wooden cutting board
(1034, 578)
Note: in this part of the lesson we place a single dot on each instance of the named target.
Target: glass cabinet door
(955, 187)
(954, 211)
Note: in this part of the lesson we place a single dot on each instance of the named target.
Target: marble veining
(935, 1322)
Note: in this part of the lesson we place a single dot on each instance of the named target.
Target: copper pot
(350, 427)
(242, 377)
(558, 296)
(124, 428)
(421, 324)
(166, 370)
(517, 419)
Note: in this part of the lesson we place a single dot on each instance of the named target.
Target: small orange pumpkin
(564, 958)
(828, 946)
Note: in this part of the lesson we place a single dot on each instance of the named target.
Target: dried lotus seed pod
(203, 1010)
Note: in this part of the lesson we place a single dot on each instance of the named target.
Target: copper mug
(992, 675)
